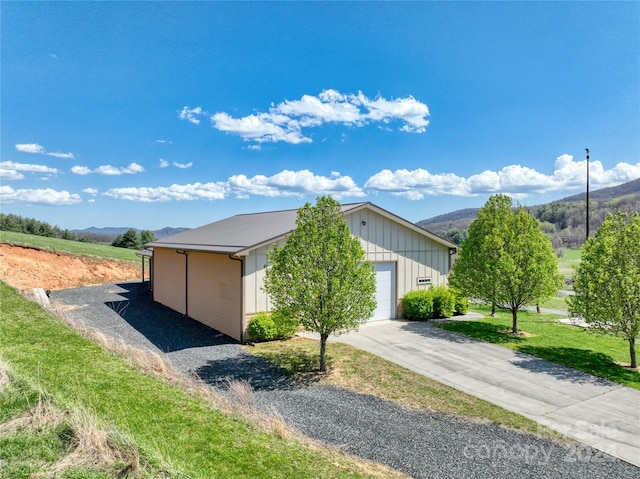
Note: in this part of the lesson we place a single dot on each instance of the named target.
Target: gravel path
(419, 443)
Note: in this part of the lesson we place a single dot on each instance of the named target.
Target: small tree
(320, 275)
(129, 239)
(147, 236)
(607, 280)
(506, 259)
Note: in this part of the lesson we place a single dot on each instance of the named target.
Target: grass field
(168, 425)
(570, 259)
(57, 245)
(573, 346)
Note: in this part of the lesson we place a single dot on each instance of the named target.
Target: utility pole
(587, 150)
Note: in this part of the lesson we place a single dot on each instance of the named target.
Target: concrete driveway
(594, 411)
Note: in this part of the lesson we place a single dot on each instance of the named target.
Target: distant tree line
(132, 240)
(563, 222)
(31, 226)
(17, 224)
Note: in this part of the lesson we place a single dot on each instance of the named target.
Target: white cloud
(48, 196)
(6, 174)
(196, 191)
(294, 184)
(168, 142)
(90, 191)
(183, 165)
(260, 128)
(163, 163)
(61, 155)
(109, 170)
(284, 184)
(30, 148)
(37, 149)
(408, 109)
(191, 114)
(80, 170)
(286, 120)
(10, 165)
(515, 180)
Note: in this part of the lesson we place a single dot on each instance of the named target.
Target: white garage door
(385, 291)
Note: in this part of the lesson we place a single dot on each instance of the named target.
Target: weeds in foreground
(46, 442)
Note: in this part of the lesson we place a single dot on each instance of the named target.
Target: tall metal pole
(587, 150)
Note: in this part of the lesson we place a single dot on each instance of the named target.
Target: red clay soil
(27, 268)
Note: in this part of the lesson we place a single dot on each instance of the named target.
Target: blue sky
(153, 114)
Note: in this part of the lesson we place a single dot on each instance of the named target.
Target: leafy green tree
(129, 239)
(607, 280)
(320, 275)
(506, 259)
(146, 236)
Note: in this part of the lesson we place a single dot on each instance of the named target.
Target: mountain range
(564, 219)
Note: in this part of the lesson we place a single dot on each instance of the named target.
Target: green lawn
(573, 346)
(570, 259)
(66, 246)
(557, 302)
(166, 423)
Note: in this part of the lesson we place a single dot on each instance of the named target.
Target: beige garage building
(214, 274)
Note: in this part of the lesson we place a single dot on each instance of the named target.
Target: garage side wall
(215, 292)
(169, 286)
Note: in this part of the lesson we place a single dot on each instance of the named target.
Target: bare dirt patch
(27, 268)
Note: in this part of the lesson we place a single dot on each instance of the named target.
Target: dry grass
(87, 445)
(92, 447)
(42, 415)
(4, 375)
(240, 402)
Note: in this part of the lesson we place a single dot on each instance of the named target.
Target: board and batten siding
(384, 240)
(256, 299)
(417, 255)
(169, 288)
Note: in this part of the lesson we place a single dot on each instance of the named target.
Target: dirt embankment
(27, 268)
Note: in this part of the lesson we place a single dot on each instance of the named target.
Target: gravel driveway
(419, 443)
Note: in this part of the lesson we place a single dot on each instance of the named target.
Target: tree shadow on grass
(487, 332)
(585, 360)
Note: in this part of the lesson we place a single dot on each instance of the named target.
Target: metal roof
(237, 233)
(241, 233)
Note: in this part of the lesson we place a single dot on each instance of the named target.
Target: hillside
(108, 233)
(563, 219)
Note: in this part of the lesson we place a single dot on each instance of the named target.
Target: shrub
(286, 324)
(443, 302)
(418, 305)
(461, 303)
(262, 327)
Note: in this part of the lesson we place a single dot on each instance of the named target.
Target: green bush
(443, 302)
(286, 324)
(436, 302)
(461, 303)
(262, 327)
(418, 305)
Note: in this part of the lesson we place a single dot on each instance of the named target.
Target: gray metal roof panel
(238, 233)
